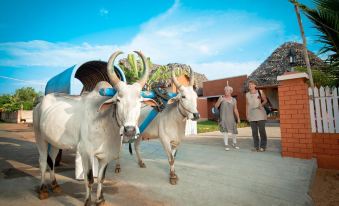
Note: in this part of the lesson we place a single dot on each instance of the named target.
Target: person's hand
(238, 121)
(260, 106)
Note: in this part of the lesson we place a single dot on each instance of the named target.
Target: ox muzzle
(129, 133)
(196, 116)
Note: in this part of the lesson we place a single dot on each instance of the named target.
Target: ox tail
(130, 148)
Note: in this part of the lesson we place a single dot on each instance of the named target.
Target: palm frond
(325, 18)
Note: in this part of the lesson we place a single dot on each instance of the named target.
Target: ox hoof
(88, 202)
(56, 188)
(173, 181)
(142, 164)
(101, 203)
(117, 169)
(43, 195)
(43, 192)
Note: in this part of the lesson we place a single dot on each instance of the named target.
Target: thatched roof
(278, 63)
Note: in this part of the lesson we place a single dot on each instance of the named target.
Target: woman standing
(256, 115)
(229, 116)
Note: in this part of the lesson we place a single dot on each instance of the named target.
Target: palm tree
(325, 18)
(133, 70)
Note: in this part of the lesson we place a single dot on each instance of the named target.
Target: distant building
(213, 89)
(284, 58)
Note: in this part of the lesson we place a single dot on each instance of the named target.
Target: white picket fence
(324, 109)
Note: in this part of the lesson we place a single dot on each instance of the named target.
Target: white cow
(169, 125)
(93, 124)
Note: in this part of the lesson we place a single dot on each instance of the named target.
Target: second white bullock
(169, 125)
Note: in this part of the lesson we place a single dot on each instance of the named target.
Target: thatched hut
(283, 59)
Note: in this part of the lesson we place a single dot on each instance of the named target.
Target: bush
(24, 96)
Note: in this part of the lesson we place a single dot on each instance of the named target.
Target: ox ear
(107, 104)
(173, 99)
(150, 102)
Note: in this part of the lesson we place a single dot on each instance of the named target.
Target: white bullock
(95, 125)
(169, 125)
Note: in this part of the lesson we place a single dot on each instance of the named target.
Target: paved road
(208, 175)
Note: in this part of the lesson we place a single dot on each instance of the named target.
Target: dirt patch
(325, 189)
(17, 131)
(17, 147)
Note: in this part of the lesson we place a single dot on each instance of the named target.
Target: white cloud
(219, 69)
(103, 12)
(210, 41)
(43, 53)
(184, 36)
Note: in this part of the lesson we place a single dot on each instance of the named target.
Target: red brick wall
(202, 107)
(326, 150)
(210, 104)
(297, 140)
(216, 87)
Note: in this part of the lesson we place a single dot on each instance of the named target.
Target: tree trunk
(307, 60)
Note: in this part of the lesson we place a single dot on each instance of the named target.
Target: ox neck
(181, 113)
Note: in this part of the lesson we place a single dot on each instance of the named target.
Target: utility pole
(307, 60)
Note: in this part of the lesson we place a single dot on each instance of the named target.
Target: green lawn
(211, 126)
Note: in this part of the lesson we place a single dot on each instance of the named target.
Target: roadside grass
(211, 126)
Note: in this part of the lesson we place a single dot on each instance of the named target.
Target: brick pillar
(296, 135)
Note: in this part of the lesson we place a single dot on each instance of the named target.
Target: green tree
(320, 78)
(24, 96)
(8, 103)
(325, 18)
(133, 70)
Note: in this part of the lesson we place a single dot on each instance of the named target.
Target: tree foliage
(325, 18)
(320, 78)
(24, 96)
(133, 70)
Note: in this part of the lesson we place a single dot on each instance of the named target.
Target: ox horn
(142, 81)
(110, 68)
(191, 77)
(174, 79)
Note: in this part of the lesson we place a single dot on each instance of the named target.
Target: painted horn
(174, 79)
(191, 77)
(110, 68)
(142, 81)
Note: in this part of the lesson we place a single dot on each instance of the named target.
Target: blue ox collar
(145, 94)
(110, 92)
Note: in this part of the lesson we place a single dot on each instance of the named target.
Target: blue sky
(219, 38)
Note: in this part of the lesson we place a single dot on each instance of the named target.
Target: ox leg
(174, 145)
(101, 177)
(42, 148)
(167, 147)
(88, 176)
(117, 162)
(51, 159)
(117, 165)
(137, 151)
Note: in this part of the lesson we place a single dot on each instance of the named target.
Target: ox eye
(118, 100)
(183, 96)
